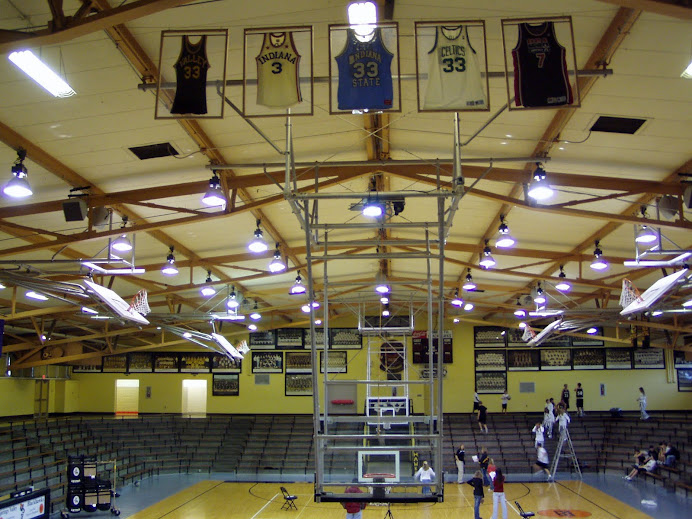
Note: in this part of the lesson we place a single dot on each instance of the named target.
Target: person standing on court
(459, 458)
(642, 405)
(499, 494)
(484, 461)
(482, 417)
(354, 509)
(477, 483)
(426, 475)
(505, 398)
(579, 393)
(565, 396)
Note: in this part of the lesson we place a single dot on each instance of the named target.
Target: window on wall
(194, 398)
(126, 397)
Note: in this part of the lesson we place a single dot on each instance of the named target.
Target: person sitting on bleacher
(649, 465)
(670, 454)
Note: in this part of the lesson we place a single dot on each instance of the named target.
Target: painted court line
(265, 506)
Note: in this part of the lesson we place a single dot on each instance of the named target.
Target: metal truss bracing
(389, 432)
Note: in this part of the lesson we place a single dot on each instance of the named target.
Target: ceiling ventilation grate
(626, 125)
(154, 151)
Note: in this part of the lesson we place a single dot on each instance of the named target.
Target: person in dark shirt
(477, 484)
(354, 510)
(459, 458)
(565, 396)
(672, 455)
(482, 417)
(484, 461)
(579, 393)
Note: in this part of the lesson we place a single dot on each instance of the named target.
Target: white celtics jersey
(277, 71)
(454, 77)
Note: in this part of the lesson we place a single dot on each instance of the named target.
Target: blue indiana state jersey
(365, 76)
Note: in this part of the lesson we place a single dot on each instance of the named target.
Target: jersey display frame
(452, 66)
(540, 63)
(199, 59)
(364, 74)
(278, 67)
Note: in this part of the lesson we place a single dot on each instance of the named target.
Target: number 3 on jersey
(276, 67)
(361, 69)
(450, 65)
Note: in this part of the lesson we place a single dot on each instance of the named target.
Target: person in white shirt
(548, 422)
(538, 429)
(505, 398)
(542, 461)
(426, 475)
(648, 466)
(476, 402)
(563, 421)
(642, 405)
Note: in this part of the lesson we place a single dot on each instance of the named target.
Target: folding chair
(288, 500)
(521, 511)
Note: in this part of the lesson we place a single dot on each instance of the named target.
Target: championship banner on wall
(420, 344)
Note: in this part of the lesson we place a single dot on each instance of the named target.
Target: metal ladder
(570, 454)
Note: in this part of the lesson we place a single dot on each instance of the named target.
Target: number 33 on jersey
(365, 77)
(277, 71)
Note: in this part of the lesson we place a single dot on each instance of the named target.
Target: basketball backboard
(654, 293)
(114, 301)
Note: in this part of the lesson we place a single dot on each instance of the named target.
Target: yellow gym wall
(95, 392)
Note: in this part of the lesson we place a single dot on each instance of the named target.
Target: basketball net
(528, 334)
(629, 293)
(139, 303)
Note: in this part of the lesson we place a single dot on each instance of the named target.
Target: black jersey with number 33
(191, 78)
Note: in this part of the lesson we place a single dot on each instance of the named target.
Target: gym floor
(597, 496)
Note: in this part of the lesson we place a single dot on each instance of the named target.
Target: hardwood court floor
(217, 500)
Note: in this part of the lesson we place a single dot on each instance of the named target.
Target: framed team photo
(451, 66)
(540, 63)
(267, 362)
(364, 69)
(225, 385)
(649, 358)
(278, 71)
(336, 361)
(192, 63)
(491, 382)
(298, 385)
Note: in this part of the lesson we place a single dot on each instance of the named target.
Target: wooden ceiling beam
(673, 8)
(69, 28)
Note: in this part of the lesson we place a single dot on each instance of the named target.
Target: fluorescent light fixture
(169, 268)
(39, 72)
(208, 290)
(252, 327)
(373, 208)
(232, 315)
(468, 306)
(277, 264)
(101, 317)
(545, 313)
(539, 189)
(258, 244)
(214, 196)
(646, 235)
(687, 73)
(563, 285)
(487, 261)
(121, 244)
(598, 263)
(656, 313)
(687, 304)
(592, 331)
(36, 295)
(87, 310)
(187, 335)
(362, 16)
(110, 272)
(658, 263)
(456, 301)
(468, 283)
(298, 287)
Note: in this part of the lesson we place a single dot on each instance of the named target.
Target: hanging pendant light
(298, 287)
(214, 196)
(456, 301)
(539, 298)
(539, 189)
(563, 285)
(277, 264)
(18, 185)
(208, 290)
(599, 263)
(487, 261)
(505, 240)
(169, 268)
(519, 312)
(468, 283)
(232, 301)
(258, 244)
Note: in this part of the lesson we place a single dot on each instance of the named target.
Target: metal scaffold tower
(396, 422)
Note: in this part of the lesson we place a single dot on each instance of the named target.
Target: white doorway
(126, 397)
(194, 398)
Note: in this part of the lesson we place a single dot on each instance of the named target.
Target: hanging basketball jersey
(540, 68)
(454, 77)
(277, 71)
(365, 76)
(191, 78)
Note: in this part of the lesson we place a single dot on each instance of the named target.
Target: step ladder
(565, 439)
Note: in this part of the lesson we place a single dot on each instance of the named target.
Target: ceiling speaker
(75, 210)
(99, 216)
(668, 206)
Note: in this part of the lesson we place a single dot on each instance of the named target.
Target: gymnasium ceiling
(602, 179)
